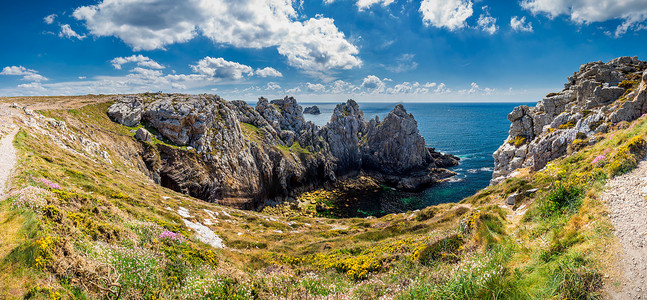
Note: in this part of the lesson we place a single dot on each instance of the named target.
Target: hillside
(84, 219)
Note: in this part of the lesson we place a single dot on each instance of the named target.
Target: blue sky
(319, 50)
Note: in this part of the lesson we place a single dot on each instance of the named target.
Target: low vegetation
(78, 227)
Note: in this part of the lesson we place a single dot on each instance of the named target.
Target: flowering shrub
(172, 236)
(50, 184)
(31, 197)
(598, 161)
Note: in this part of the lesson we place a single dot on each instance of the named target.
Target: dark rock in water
(313, 110)
(444, 160)
(242, 156)
(598, 95)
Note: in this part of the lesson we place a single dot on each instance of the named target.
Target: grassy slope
(100, 231)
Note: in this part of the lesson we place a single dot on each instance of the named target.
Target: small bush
(567, 125)
(517, 141)
(627, 84)
(562, 198)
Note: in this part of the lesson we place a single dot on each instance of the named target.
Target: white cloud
(36, 86)
(67, 32)
(450, 14)
(28, 74)
(364, 4)
(34, 77)
(315, 87)
(315, 45)
(222, 69)
(49, 19)
(16, 70)
(475, 89)
(273, 86)
(293, 91)
(486, 22)
(342, 87)
(82, 77)
(520, 24)
(373, 84)
(142, 61)
(633, 13)
(268, 72)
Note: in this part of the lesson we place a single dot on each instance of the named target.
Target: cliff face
(596, 97)
(233, 154)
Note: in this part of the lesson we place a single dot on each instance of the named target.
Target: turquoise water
(471, 131)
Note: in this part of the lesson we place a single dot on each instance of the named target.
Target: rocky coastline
(594, 99)
(238, 155)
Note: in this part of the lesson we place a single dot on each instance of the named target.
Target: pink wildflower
(50, 184)
(171, 236)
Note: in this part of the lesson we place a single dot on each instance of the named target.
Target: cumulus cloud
(450, 14)
(268, 72)
(633, 13)
(315, 45)
(49, 19)
(373, 84)
(364, 4)
(28, 74)
(67, 32)
(486, 22)
(221, 69)
(520, 24)
(142, 61)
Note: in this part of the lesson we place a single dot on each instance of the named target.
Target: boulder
(512, 199)
(143, 135)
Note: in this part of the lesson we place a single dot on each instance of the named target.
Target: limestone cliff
(234, 154)
(596, 97)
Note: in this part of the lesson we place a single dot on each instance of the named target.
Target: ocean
(471, 131)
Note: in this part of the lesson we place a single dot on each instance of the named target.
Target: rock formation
(233, 154)
(594, 98)
(313, 110)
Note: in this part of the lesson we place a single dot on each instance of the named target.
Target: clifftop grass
(99, 233)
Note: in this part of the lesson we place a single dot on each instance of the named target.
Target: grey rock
(127, 110)
(512, 199)
(143, 135)
(588, 101)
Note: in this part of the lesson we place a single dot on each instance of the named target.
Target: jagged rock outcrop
(313, 110)
(233, 154)
(594, 98)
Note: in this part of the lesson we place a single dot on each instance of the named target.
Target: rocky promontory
(239, 155)
(595, 98)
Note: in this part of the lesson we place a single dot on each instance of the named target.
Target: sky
(314, 50)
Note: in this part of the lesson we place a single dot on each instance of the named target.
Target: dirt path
(7, 159)
(625, 197)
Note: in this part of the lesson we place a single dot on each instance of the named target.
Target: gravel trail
(625, 197)
(7, 159)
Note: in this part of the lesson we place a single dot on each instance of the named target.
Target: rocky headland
(596, 98)
(234, 154)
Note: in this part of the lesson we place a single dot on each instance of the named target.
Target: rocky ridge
(596, 97)
(238, 155)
